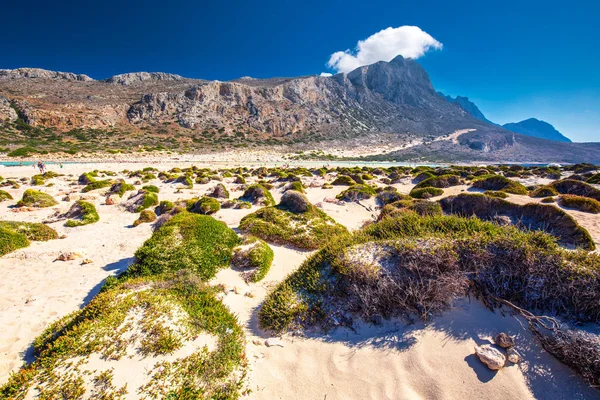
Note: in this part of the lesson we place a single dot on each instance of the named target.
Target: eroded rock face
(6, 111)
(137, 77)
(490, 356)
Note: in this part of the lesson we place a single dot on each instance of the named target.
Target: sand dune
(393, 361)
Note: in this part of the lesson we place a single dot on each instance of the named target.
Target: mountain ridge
(391, 103)
(537, 128)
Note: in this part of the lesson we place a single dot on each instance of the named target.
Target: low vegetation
(499, 182)
(580, 203)
(15, 235)
(531, 216)
(357, 193)
(293, 222)
(4, 196)
(254, 257)
(163, 314)
(195, 242)
(426, 192)
(146, 216)
(35, 198)
(83, 212)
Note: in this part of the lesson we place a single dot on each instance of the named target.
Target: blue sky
(514, 59)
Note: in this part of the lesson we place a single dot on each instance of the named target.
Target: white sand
(395, 361)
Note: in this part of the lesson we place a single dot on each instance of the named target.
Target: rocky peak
(137, 77)
(21, 73)
(467, 105)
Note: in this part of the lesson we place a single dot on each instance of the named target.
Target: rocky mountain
(386, 103)
(467, 105)
(536, 128)
(39, 73)
(529, 127)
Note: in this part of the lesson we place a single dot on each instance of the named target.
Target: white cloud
(407, 41)
(326, 74)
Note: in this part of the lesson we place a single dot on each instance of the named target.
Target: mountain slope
(536, 128)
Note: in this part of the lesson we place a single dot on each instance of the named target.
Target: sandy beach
(392, 361)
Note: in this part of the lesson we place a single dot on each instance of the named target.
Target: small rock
(109, 201)
(504, 340)
(62, 237)
(249, 294)
(68, 256)
(513, 355)
(270, 342)
(490, 356)
(66, 198)
(257, 342)
(237, 290)
(86, 261)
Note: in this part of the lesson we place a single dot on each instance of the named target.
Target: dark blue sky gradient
(515, 59)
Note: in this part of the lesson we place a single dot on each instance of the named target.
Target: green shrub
(531, 216)
(87, 212)
(357, 192)
(343, 180)
(581, 203)
(146, 216)
(4, 195)
(240, 180)
(37, 180)
(23, 152)
(164, 207)
(411, 265)
(95, 185)
(426, 192)
(206, 205)
(544, 191)
(255, 256)
(296, 186)
(150, 199)
(442, 181)
(151, 188)
(493, 193)
(578, 188)
(548, 200)
(258, 195)
(15, 235)
(187, 241)
(11, 240)
(35, 198)
(499, 182)
(594, 179)
(121, 188)
(307, 230)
